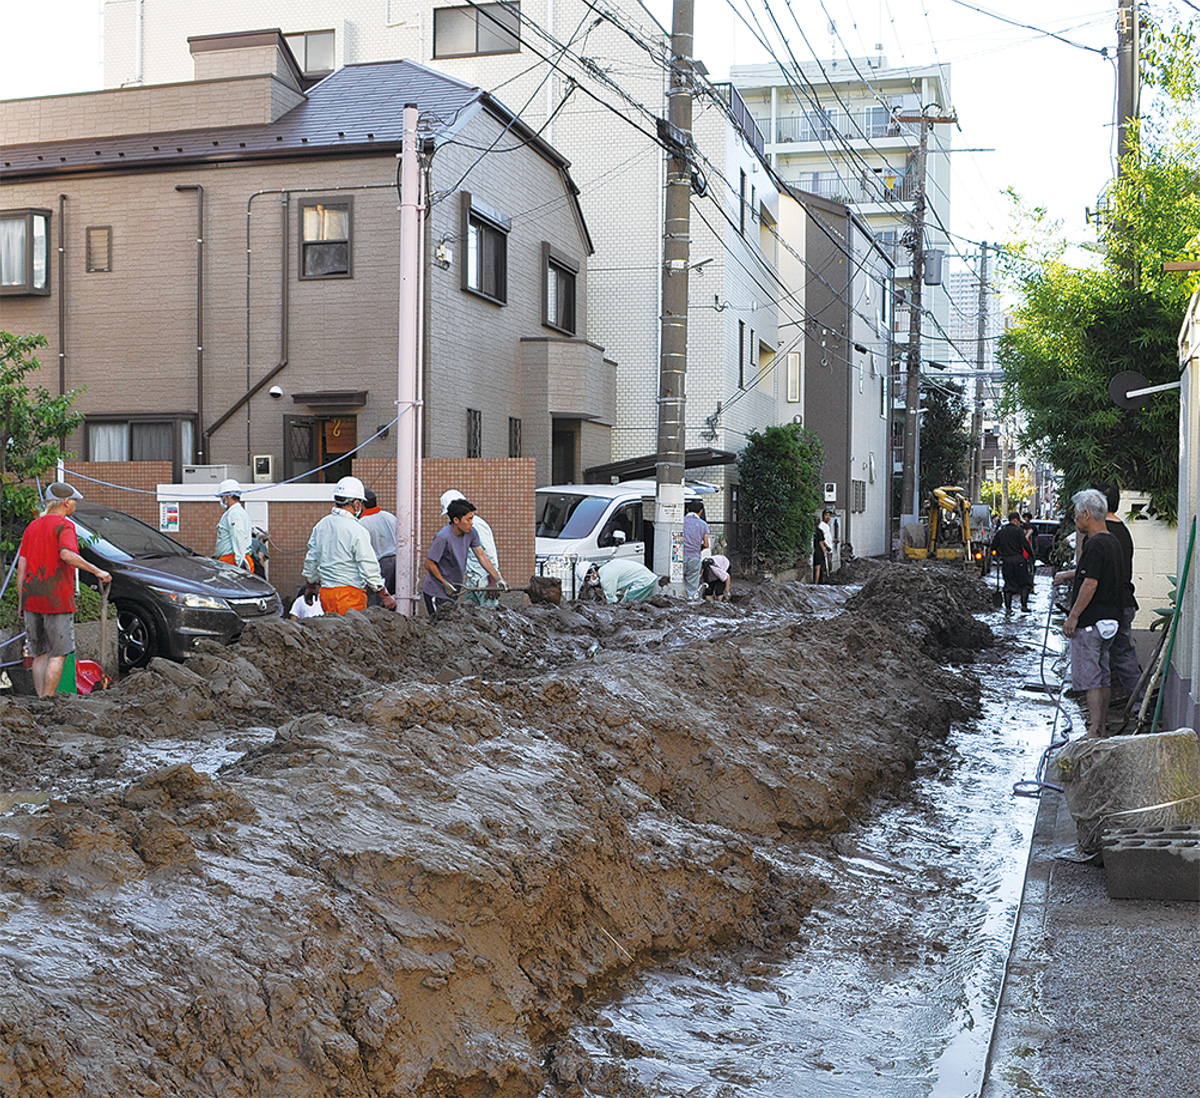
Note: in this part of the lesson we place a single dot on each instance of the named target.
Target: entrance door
(562, 456)
(310, 442)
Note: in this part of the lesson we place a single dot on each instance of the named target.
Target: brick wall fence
(502, 489)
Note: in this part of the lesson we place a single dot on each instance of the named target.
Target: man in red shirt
(46, 585)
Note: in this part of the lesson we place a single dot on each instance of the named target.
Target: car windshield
(118, 536)
(567, 515)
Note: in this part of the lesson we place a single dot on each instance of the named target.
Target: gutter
(199, 312)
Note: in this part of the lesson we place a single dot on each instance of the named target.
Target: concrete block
(1153, 863)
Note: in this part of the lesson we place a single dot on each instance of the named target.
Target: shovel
(105, 680)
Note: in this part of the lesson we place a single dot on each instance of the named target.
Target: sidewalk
(1102, 997)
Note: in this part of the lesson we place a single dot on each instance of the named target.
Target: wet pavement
(892, 990)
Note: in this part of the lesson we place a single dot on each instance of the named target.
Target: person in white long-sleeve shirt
(340, 561)
(235, 532)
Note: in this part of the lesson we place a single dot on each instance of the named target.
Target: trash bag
(1130, 781)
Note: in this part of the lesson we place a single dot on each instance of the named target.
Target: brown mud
(373, 856)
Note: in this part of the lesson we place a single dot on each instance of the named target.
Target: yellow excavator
(946, 535)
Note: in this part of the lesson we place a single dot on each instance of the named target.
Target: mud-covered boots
(1007, 603)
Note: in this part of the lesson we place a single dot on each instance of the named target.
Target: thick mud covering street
(377, 856)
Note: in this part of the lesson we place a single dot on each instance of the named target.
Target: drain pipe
(203, 440)
(62, 295)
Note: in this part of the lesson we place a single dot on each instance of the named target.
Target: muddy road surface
(370, 856)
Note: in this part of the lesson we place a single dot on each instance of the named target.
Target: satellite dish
(1125, 382)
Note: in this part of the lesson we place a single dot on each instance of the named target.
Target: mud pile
(931, 604)
(370, 856)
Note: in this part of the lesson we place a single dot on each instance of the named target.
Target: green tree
(32, 423)
(779, 474)
(1075, 329)
(945, 435)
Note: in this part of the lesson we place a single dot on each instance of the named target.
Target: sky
(1044, 106)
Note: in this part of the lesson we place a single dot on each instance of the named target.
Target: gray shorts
(50, 634)
(1089, 659)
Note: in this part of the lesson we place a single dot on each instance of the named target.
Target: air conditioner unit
(264, 468)
(214, 474)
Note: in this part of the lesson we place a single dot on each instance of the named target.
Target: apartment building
(215, 264)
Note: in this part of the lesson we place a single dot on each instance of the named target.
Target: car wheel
(137, 635)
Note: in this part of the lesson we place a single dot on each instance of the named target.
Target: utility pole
(980, 356)
(408, 406)
(1128, 78)
(676, 134)
(910, 482)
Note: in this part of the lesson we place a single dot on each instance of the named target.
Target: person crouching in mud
(619, 580)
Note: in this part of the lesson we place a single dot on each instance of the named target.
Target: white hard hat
(449, 496)
(349, 488)
(229, 487)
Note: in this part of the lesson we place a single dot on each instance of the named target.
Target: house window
(875, 121)
(313, 50)
(99, 248)
(559, 312)
(793, 377)
(858, 491)
(741, 354)
(486, 231)
(142, 438)
(25, 252)
(325, 236)
(477, 30)
(474, 433)
(514, 437)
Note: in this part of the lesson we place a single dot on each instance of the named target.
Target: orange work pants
(341, 600)
(227, 558)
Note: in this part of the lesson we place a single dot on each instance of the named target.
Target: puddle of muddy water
(892, 991)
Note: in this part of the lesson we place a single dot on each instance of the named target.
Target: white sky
(1044, 106)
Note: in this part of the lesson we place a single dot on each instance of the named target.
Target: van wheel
(137, 636)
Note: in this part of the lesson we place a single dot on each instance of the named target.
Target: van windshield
(567, 515)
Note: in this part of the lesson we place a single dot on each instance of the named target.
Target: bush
(779, 474)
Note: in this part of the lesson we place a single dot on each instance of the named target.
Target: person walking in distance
(339, 563)
(235, 532)
(1123, 656)
(1015, 553)
(446, 561)
(1095, 612)
(380, 526)
(46, 564)
(695, 541)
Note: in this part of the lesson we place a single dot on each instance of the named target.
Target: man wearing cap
(46, 566)
(234, 529)
(339, 563)
(476, 575)
(380, 525)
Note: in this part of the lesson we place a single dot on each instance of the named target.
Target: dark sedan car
(1045, 531)
(167, 596)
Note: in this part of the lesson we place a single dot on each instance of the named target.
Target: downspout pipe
(62, 295)
(203, 439)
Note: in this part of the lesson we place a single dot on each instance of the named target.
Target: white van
(595, 522)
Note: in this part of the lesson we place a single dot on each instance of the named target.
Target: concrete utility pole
(910, 478)
(1128, 77)
(677, 135)
(980, 358)
(408, 406)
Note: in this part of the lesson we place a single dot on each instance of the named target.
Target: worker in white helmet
(234, 529)
(340, 562)
(620, 579)
(476, 575)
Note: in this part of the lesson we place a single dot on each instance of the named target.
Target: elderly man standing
(1096, 600)
(235, 532)
(340, 563)
(46, 566)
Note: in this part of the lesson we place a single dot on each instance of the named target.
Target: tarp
(1130, 781)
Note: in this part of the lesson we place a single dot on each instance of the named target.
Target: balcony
(742, 117)
(864, 189)
(865, 124)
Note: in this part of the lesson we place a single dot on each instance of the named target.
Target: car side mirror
(619, 536)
